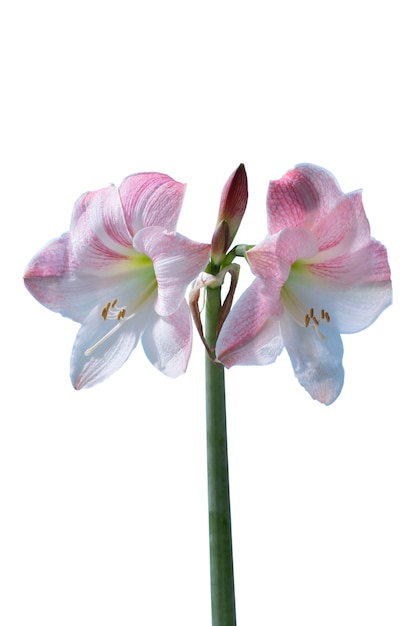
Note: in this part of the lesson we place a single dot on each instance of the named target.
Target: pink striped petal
(363, 266)
(177, 261)
(345, 229)
(300, 198)
(52, 261)
(48, 278)
(151, 199)
(274, 256)
(251, 334)
(99, 236)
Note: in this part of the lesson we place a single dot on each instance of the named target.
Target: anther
(105, 311)
(113, 312)
(310, 317)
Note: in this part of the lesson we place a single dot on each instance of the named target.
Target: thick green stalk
(221, 556)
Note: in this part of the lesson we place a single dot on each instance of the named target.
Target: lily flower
(121, 272)
(318, 274)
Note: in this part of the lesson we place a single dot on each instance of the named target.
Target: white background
(103, 492)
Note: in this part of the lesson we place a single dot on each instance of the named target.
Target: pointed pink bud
(232, 208)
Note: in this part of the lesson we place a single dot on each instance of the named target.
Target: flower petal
(100, 239)
(251, 334)
(51, 279)
(351, 307)
(344, 230)
(301, 197)
(353, 289)
(107, 357)
(317, 362)
(177, 261)
(167, 341)
(151, 199)
(45, 271)
(274, 256)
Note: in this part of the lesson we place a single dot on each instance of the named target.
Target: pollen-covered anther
(105, 311)
(113, 312)
(310, 317)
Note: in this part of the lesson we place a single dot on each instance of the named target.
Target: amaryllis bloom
(122, 272)
(318, 274)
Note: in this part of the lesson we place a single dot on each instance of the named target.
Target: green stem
(221, 556)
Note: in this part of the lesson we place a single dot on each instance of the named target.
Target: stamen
(117, 314)
(113, 312)
(318, 333)
(300, 314)
(105, 311)
(89, 351)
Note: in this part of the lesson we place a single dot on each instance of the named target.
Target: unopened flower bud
(232, 208)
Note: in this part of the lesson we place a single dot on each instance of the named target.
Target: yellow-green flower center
(303, 315)
(147, 285)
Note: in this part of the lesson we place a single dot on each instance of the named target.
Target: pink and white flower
(318, 274)
(122, 272)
